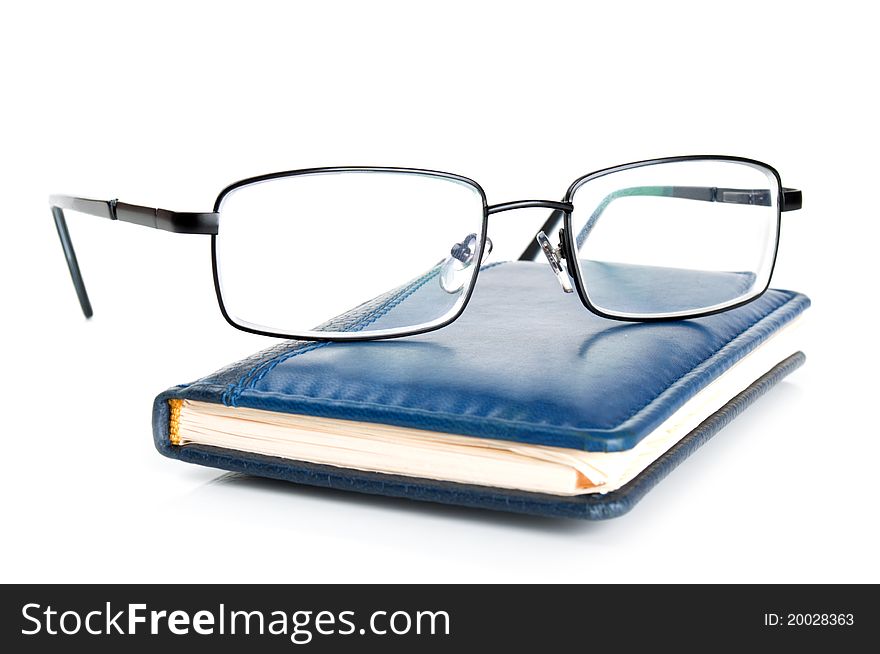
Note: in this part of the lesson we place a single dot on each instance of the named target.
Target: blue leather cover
(524, 362)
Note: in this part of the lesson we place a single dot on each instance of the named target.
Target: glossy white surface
(166, 106)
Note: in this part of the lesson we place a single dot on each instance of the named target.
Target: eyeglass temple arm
(171, 221)
(791, 200)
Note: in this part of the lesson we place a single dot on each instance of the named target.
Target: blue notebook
(527, 403)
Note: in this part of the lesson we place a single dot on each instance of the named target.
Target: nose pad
(554, 258)
(454, 271)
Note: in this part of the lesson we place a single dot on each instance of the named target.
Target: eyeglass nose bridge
(530, 204)
(558, 257)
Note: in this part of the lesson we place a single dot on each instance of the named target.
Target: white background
(166, 103)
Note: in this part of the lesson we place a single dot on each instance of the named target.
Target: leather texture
(585, 507)
(621, 289)
(524, 362)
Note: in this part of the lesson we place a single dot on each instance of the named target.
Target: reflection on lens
(677, 238)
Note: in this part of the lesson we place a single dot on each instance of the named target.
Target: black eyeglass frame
(789, 199)
(208, 223)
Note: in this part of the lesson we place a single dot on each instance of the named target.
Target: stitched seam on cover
(365, 321)
(260, 370)
(508, 421)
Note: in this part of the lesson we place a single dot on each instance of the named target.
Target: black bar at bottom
(435, 618)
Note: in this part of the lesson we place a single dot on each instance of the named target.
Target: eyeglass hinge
(741, 196)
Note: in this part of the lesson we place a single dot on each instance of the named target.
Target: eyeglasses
(361, 253)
